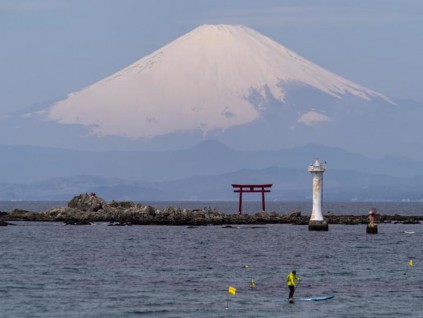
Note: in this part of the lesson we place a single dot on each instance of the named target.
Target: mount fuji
(213, 78)
(226, 83)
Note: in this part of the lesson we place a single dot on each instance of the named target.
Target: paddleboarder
(290, 280)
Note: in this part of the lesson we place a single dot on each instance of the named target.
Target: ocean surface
(53, 270)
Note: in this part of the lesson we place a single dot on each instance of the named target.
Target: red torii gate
(248, 188)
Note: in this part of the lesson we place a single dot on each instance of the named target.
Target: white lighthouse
(317, 223)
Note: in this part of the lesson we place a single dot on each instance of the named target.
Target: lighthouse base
(318, 225)
(371, 229)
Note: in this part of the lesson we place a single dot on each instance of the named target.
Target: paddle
(296, 287)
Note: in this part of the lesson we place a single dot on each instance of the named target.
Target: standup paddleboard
(319, 298)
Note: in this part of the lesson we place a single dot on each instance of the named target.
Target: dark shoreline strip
(137, 214)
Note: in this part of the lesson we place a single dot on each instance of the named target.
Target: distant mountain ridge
(288, 185)
(30, 163)
(204, 172)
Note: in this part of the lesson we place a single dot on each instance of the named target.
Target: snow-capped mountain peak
(202, 80)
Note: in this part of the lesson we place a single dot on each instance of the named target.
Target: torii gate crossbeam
(250, 188)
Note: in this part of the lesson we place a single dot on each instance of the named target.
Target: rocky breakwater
(88, 209)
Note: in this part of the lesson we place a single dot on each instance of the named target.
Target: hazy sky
(52, 47)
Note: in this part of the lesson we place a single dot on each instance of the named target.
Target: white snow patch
(312, 117)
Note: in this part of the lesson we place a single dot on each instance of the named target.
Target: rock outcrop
(87, 202)
(87, 209)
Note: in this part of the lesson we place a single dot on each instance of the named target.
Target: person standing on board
(290, 280)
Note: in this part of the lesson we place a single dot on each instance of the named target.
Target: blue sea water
(53, 270)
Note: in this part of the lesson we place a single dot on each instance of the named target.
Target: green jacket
(291, 278)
